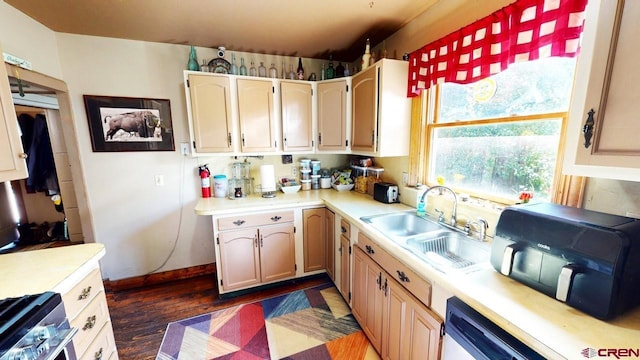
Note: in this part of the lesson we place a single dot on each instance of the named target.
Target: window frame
(429, 102)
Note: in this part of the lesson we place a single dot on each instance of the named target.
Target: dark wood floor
(140, 316)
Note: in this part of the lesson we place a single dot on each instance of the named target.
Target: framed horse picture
(129, 124)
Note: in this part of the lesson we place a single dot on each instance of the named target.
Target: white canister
(220, 186)
(325, 182)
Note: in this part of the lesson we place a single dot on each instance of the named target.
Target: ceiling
(303, 28)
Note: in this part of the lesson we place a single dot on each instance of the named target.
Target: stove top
(32, 326)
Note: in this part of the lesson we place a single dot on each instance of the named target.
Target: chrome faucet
(455, 201)
(481, 225)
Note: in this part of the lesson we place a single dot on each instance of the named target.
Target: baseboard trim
(159, 278)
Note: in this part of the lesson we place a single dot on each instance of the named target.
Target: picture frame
(129, 124)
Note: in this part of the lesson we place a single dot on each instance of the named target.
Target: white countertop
(550, 327)
(53, 269)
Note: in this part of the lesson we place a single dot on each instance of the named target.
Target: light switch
(159, 179)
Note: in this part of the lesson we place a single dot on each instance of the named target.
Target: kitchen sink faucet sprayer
(423, 205)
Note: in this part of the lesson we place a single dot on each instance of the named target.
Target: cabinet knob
(84, 293)
(98, 355)
(370, 249)
(23, 155)
(91, 322)
(402, 276)
(587, 129)
(343, 229)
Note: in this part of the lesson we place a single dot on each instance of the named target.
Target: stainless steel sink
(401, 224)
(441, 247)
(449, 250)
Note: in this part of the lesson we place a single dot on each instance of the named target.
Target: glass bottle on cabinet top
(330, 70)
(193, 61)
(339, 70)
(243, 69)
(273, 72)
(300, 70)
(262, 71)
(346, 70)
(292, 75)
(252, 70)
(284, 71)
(366, 57)
(234, 66)
(322, 72)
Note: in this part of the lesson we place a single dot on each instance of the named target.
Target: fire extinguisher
(205, 180)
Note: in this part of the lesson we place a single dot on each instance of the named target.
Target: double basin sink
(443, 248)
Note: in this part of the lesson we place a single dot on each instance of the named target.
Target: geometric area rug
(313, 323)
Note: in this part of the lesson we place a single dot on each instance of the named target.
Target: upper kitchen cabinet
(12, 157)
(334, 115)
(381, 110)
(602, 135)
(257, 115)
(296, 102)
(210, 112)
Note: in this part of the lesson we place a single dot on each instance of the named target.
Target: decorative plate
(220, 66)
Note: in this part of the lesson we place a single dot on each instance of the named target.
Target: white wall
(28, 39)
(140, 222)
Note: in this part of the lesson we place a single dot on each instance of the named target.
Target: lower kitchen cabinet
(344, 249)
(314, 238)
(86, 308)
(330, 238)
(398, 325)
(410, 330)
(368, 297)
(257, 252)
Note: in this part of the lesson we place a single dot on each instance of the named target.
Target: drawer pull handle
(98, 355)
(91, 322)
(276, 218)
(370, 249)
(85, 293)
(238, 222)
(343, 229)
(402, 276)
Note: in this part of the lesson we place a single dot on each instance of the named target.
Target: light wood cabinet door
(411, 330)
(381, 121)
(365, 110)
(610, 87)
(315, 248)
(210, 104)
(12, 156)
(333, 100)
(329, 233)
(239, 258)
(256, 115)
(345, 268)
(368, 298)
(297, 116)
(277, 252)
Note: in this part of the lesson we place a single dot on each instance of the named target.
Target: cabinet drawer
(345, 228)
(252, 220)
(82, 294)
(418, 286)
(89, 322)
(102, 347)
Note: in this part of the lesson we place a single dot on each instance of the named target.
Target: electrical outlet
(405, 178)
(184, 148)
(294, 171)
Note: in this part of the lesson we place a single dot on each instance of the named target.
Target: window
(501, 135)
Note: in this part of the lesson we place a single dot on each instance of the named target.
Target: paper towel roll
(267, 178)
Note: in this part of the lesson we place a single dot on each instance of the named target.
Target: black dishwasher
(470, 335)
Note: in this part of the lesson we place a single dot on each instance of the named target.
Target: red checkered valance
(525, 30)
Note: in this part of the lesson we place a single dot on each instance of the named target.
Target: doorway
(39, 95)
